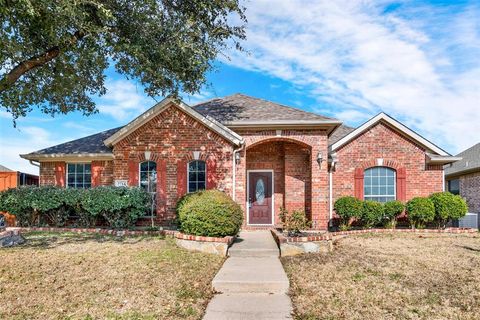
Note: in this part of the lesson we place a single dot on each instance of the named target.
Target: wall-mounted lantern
(237, 157)
(320, 159)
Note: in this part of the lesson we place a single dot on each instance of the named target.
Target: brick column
(319, 185)
(241, 182)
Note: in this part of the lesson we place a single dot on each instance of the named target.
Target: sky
(418, 61)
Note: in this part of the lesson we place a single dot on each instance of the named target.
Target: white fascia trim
(162, 105)
(395, 124)
(67, 156)
(436, 159)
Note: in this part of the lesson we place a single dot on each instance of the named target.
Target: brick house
(264, 155)
(463, 177)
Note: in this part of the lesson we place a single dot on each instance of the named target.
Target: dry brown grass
(389, 276)
(71, 276)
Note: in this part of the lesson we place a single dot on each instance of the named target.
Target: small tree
(391, 210)
(347, 209)
(372, 213)
(448, 207)
(420, 212)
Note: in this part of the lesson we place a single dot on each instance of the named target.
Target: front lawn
(389, 276)
(72, 276)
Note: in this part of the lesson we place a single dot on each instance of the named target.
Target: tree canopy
(54, 53)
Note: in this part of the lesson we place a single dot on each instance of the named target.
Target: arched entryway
(278, 175)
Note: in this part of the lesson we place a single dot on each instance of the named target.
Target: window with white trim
(148, 176)
(196, 175)
(79, 175)
(379, 184)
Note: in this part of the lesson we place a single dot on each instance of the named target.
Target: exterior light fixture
(237, 157)
(319, 159)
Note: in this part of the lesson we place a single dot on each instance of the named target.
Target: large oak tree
(53, 53)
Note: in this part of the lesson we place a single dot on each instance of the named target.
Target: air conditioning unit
(469, 221)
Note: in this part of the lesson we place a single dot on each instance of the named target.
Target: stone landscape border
(324, 242)
(214, 245)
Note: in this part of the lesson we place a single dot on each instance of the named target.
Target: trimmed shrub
(448, 207)
(210, 213)
(294, 222)
(120, 207)
(348, 208)
(391, 210)
(420, 211)
(46, 205)
(372, 213)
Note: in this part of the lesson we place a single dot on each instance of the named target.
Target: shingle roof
(238, 107)
(5, 169)
(339, 133)
(470, 161)
(90, 144)
(235, 108)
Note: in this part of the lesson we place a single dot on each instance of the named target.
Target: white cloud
(417, 63)
(21, 141)
(124, 100)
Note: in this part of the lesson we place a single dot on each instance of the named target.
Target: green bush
(391, 210)
(372, 213)
(120, 207)
(420, 211)
(210, 213)
(294, 222)
(46, 205)
(348, 208)
(448, 207)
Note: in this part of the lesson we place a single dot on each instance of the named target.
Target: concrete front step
(251, 274)
(254, 253)
(249, 306)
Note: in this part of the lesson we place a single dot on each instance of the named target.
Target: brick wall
(172, 137)
(47, 174)
(470, 190)
(396, 151)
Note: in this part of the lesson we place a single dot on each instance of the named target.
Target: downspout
(330, 188)
(235, 151)
(34, 164)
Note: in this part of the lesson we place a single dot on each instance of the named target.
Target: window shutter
(211, 173)
(181, 178)
(358, 187)
(132, 173)
(402, 184)
(96, 168)
(60, 174)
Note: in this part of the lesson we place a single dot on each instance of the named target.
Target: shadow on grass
(49, 240)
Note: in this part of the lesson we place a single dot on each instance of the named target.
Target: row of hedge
(32, 206)
(438, 208)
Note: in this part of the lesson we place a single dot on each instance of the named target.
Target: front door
(260, 197)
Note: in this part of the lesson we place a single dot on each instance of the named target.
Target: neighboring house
(263, 154)
(12, 179)
(463, 177)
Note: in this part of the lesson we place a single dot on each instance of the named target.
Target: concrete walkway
(252, 283)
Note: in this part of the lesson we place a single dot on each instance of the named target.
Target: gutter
(66, 156)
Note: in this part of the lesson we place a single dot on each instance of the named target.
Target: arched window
(379, 184)
(196, 175)
(148, 176)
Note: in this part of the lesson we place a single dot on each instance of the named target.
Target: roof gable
(151, 113)
(383, 117)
